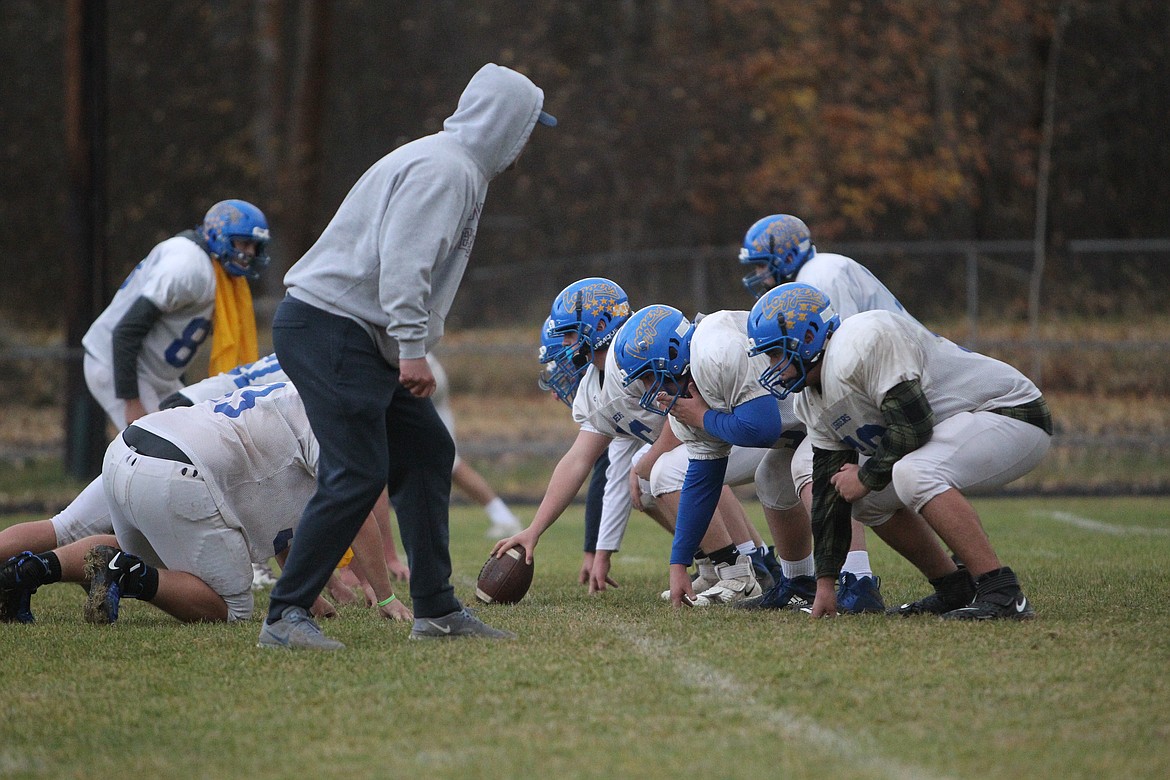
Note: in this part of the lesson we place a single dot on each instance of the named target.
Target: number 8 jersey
(177, 277)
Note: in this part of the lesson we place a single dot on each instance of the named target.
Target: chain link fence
(975, 291)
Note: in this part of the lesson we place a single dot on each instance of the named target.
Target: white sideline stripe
(788, 724)
(720, 685)
(1088, 524)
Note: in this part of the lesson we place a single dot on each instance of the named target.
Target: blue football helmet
(797, 320)
(780, 244)
(656, 342)
(584, 317)
(231, 219)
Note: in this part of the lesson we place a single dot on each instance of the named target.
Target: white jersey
(178, 278)
(871, 352)
(605, 407)
(851, 287)
(256, 453)
(264, 371)
(726, 377)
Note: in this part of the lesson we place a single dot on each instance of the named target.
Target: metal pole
(86, 272)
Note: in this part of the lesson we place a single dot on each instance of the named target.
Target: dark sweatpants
(373, 433)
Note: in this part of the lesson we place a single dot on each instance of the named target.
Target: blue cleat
(856, 595)
(787, 593)
(762, 567)
(104, 569)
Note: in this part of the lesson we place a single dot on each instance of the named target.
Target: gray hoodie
(394, 254)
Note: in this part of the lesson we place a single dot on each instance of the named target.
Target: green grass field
(620, 685)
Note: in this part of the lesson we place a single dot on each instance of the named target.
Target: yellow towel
(233, 329)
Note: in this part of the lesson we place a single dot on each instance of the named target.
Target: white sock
(499, 513)
(746, 548)
(857, 564)
(801, 568)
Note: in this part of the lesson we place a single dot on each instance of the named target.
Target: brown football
(504, 580)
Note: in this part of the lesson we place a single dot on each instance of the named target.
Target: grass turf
(621, 685)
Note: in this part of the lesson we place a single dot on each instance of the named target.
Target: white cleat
(737, 581)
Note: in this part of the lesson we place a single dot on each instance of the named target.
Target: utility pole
(86, 262)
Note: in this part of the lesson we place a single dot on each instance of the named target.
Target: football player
(195, 495)
(702, 377)
(898, 416)
(190, 286)
(585, 317)
(780, 249)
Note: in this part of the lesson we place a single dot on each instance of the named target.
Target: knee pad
(774, 485)
(669, 472)
(239, 605)
(914, 484)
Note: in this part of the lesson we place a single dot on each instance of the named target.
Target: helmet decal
(792, 323)
(646, 333)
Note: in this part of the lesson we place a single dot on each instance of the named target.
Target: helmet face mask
(582, 322)
(655, 347)
(563, 386)
(233, 227)
(794, 321)
(778, 245)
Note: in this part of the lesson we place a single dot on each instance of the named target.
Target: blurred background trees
(682, 121)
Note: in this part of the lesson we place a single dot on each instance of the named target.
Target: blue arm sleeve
(700, 494)
(755, 423)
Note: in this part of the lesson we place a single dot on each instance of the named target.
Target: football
(504, 580)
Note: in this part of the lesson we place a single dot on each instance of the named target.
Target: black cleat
(951, 591)
(20, 576)
(995, 606)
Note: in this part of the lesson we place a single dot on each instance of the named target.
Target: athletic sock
(857, 564)
(137, 581)
(726, 554)
(53, 564)
(802, 568)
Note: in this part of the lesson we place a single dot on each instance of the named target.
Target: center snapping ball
(504, 580)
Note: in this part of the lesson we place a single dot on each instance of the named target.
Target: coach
(364, 306)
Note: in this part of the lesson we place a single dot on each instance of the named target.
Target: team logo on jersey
(795, 305)
(598, 299)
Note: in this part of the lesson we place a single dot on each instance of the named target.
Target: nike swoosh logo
(1022, 604)
(444, 629)
(113, 564)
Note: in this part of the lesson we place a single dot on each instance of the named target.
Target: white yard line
(1089, 524)
(720, 686)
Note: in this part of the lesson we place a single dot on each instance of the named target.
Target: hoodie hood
(495, 116)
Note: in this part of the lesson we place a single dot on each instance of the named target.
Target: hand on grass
(681, 592)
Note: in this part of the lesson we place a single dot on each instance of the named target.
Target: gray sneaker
(297, 630)
(456, 624)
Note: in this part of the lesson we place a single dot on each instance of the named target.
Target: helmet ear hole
(673, 352)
